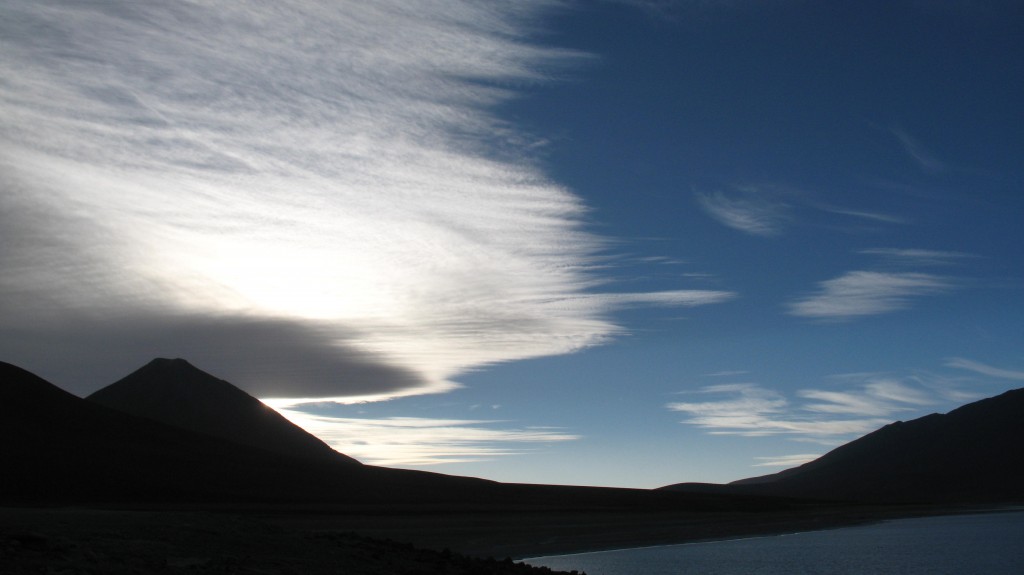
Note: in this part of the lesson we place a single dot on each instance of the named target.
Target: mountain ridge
(60, 449)
(974, 453)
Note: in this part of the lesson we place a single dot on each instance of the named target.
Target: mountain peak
(180, 368)
(167, 362)
(175, 392)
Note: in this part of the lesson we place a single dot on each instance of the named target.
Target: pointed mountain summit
(974, 453)
(175, 392)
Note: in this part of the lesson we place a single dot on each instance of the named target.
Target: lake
(991, 543)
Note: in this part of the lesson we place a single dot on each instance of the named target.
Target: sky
(624, 243)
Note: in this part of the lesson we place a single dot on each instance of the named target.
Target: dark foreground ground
(305, 541)
(81, 541)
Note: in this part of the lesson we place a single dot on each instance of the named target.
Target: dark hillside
(973, 454)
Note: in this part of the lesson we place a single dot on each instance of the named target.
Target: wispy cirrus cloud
(766, 210)
(862, 293)
(879, 397)
(334, 166)
(417, 441)
(919, 257)
(917, 151)
(752, 410)
(785, 460)
(984, 369)
(848, 406)
(746, 211)
(864, 215)
(744, 409)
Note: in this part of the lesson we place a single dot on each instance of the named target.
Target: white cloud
(873, 216)
(823, 416)
(786, 460)
(844, 402)
(335, 164)
(918, 256)
(917, 151)
(746, 411)
(750, 213)
(977, 367)
(414, 441)
(894, 391)
(852, 405)
(862, 293)
(877, 398)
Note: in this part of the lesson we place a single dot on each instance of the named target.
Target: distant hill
(972, 454)
(175, 392)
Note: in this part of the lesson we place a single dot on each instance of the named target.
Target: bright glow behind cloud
(333, 163)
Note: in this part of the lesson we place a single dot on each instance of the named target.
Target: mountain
(59, 449)
(972, 454)
(56, 448)
(174, 392)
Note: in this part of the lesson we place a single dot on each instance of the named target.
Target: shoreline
(883, 516)
(529, 534)
(193, 539)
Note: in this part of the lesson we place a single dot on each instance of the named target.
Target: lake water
(990, 544)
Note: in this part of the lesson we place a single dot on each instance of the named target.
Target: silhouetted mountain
(56, 448)
(175, 392)
(972, 454)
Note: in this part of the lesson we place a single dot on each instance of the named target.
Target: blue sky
(613, 243)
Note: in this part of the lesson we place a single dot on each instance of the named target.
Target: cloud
(822, 415)
(748, 408)
(265, 357)
(414, 441)
(873, 216)
(917, 151)
(862, 293)
(786, 460)
(896, 392)
(334, 171)
(983, 369)
(767, 209)
(749, 212)
(918, 257)
(878, 397)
